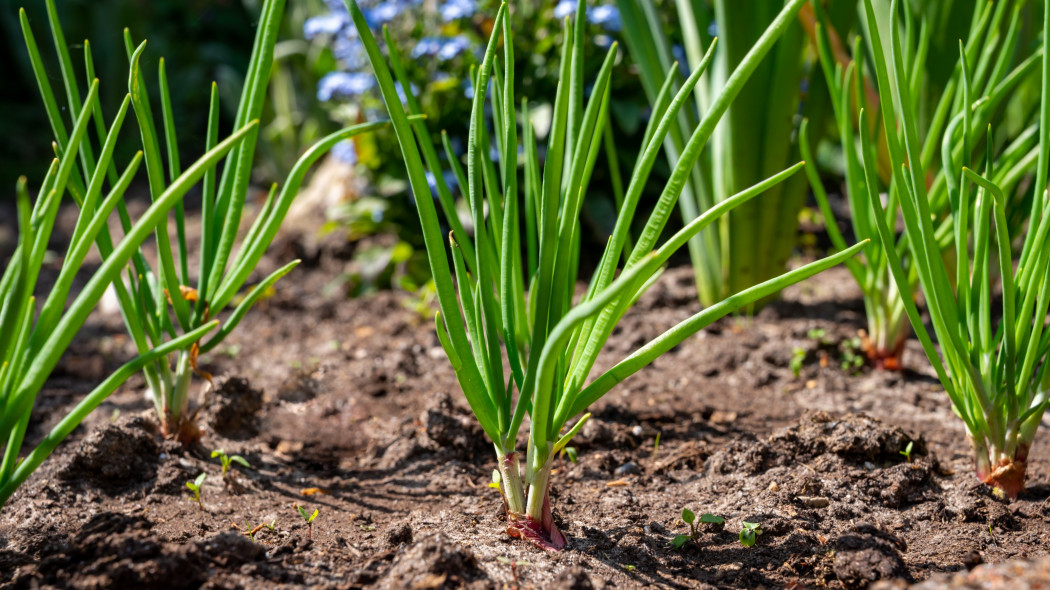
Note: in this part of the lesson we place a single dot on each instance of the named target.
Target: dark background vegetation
(201, 40)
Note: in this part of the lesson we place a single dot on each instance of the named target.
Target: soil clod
(232, 409)
(115, 457)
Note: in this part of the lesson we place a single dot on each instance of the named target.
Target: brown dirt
(349, 407)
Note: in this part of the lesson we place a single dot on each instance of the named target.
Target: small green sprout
(749, 534)
(570, 452)
(907, 451)
(798, 356)
(629, 567)
(228, 460)
(656, 445)
(309, 518)
(818, 334)
(195, 487)
(494, 484)
(689, 517)
(251, 530)
(853, 355)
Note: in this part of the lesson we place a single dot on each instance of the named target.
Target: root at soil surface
(885, 359)
(543, 534)
(1008, 476)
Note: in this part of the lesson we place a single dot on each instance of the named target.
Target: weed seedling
(309, 518)
(250, 530)
(798, 356)
(656, 445)
(569, 452)
(690, 519)
(195, 488)
(749, 534)
(907, 451)
(228, 460)
(853, 355)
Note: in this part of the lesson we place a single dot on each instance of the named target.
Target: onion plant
(33, 337)
(158, 303)
(993, 366)
(513, 306)
(992, 43)
(756, 138)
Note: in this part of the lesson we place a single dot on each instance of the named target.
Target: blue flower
(444, 48)
(343, 85)
(432, 183)
(327, 24)
(605, 16)
(401, 91)
(457, 9)
(383, 13)
(453, 47)
(564, 9)
(427, 46)
(351, 52)
(345, 151)
(683, 61)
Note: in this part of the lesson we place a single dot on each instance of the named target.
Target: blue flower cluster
(354, 80)
(444, 48)
(604, 15)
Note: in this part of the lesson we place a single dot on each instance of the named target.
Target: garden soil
(348, 406)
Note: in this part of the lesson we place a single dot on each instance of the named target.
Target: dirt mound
(119, 551)
(1017, 574)
(435, 562)
(115, 457)
(854, 437)
(116, 551)
(232, 409)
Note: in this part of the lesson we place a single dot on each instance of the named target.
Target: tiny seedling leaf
(217, 453)
(571, 453)
(688, 517)
(749, 534)
(240, 460)
(709, 518)
(680, 540)
(200, 480)
(495, 479)
(312, 516)
(907, 451)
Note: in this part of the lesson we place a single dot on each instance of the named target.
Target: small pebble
(628, 468)
(814, 501)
